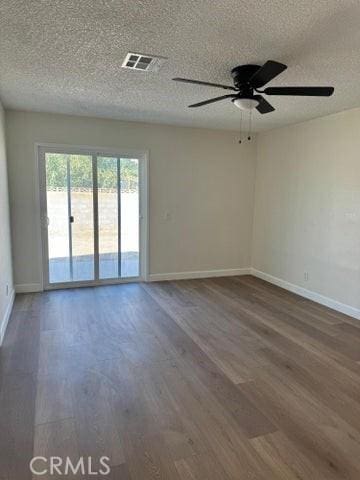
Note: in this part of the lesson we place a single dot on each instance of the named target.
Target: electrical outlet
(306, 276)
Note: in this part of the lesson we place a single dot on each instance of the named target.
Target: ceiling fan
(248, 79)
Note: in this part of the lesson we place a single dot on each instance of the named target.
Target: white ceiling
(65, 56)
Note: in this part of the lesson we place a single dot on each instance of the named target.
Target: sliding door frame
(143, 156)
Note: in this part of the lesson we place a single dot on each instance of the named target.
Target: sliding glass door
(91, 206)
(118, 207)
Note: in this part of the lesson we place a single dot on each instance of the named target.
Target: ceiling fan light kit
(245, 103)
(248, 79)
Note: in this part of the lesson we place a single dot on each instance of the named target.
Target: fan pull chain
(250, 125)
(240, 139)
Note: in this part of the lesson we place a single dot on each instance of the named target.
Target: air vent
(141, 61)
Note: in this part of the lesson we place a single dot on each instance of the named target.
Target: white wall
(6, 282)
(203, 177)
(307, 207)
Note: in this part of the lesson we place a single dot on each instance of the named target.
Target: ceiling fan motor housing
(242, 74)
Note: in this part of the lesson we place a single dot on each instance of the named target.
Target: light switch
(167, 216)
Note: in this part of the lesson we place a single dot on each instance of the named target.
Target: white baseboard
(303, 292)
(230, 272)
(28, 288)
(5, 319)
(157, 277)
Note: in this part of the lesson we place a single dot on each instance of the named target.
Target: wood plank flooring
(214, 379)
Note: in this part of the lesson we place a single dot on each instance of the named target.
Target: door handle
(71, 219)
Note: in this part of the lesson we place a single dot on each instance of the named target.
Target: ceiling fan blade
(211, 100)
(267, 72)
(264, 106)
(208, 84)
(303, 91)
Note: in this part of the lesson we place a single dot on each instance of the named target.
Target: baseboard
(28, 288)
(303, 292)
(5, 320)
(230, 272)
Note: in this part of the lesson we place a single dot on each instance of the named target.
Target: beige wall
(307, 207)
(202, 177)
(6, 283)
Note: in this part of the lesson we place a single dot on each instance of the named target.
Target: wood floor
(215, 379)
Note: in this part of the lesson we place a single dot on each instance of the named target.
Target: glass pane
(129, 173)
(82, 228)
(108, 217)
(57, 212)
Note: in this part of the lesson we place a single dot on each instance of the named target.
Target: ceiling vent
(141, 61)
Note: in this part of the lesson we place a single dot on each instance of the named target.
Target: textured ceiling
(65, 56)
